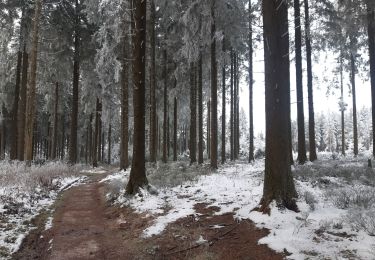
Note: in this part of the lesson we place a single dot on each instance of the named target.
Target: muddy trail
(85, 226)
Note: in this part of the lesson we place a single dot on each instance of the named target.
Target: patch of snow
(319, 232)
(201, 240)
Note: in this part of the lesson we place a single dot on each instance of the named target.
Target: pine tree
(278, 182)
(137, 178)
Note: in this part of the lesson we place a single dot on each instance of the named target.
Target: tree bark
(200, 111)
(96, 135)
(22, 107)
(175, 130)
(278, 181)
(165, 111)
(193, 116)
(109, 143)
(251, 83)
(223, 116)
(209, 129)
(55, 123)
(14, 130)
(213, 91)
(231, 105)
(124, 156)
(312, 142)
(75, 99)
(153, 129)
(302, 158)
(371, 44)
(137, 178)
(31, 95)
(352, 80)
(342, 108)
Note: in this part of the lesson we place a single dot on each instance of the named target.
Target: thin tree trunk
(103, 144)
(55, 123)
(96, 135)
(175, 130)
(223, 102)
(342, 108)
(213, 91)
(165, 114)
(299, 84)
(238, 108)
(63, 137)
(193, 116)
(13, 132)
(75, 98)
(352, 79)
(251, 83)
(31, 95)
(124, 154)
(109, 143)
(200, 111)
(312, 142)
(231, 105)
(90, 148)
(371, 44)
(278, 181)
(137, 178)
(209, 129)
(22, 107)
(234, 105)
(153, 129)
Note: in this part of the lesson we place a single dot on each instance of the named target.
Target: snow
(27, 191)
(320, 230)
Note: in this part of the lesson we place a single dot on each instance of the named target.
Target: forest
(187, 129)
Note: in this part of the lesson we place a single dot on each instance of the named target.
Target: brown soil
(86, 227)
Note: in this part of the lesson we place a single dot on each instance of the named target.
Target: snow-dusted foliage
(24, 193)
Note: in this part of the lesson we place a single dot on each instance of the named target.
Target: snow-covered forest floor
(27, 191)
(336, 203)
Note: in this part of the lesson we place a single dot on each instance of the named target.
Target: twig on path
(210, 242)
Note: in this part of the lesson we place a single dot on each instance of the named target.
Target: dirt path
(85, 227)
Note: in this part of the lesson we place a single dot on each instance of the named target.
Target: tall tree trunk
(124, 156)
(109, 143)
(342, 107)
(302, 158)
(200, 110)
(165, 111)
(175, 130)
(278, 181)
(213, 91)
(96, 135)
(22, 107)
(238, 108)
(153, 129)
(76, 75)
(223, 102)
(251, 83)
(352, 79)
(13, 132)
(138, 177)
(55, 123)
(193, 116)
(209, 129)
(371, 44)
(63, 137)
(312, 143)
(234, 105)
(103, 144)
(90, 148)
(231, 105)
(31, 100)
